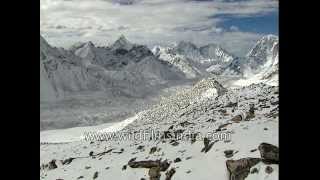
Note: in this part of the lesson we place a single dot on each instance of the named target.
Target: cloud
(234, 28)
(146, 21)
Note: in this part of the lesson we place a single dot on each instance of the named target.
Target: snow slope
(181, 113)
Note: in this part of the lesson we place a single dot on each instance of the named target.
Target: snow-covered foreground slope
(236, 121)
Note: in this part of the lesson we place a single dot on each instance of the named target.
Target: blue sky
(260, 23)
(234, 24)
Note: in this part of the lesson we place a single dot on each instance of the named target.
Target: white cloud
(144, 21)
(234, 28)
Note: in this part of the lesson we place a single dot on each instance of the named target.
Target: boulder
(269, 153)
(239, 169)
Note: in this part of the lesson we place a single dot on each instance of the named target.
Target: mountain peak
(184, 44)
(43, 42)
(89, 44)
(268, 39)
(122, 43)
(263, 52)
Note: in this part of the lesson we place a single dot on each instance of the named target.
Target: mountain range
(134, 69)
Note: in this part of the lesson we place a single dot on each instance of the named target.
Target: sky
(234, 24)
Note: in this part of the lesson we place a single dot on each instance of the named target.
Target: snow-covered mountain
(262, 59)
(206, 59)
(62, 72)
(178, 61)
(262, 62)
(264, 52)
(123, 66)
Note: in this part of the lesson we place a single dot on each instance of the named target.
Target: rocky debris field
(206, 132)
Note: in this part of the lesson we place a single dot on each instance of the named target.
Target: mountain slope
(178, 61)
(239, 121)
(123, 66)
(206, 59)
(63, 71)
(262, 62)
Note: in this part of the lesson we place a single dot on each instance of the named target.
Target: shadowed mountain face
(125, 66)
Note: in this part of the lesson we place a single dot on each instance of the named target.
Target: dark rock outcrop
(163, 165)
(239, 169)
(170, 173)
(269, 153)
(154, 173)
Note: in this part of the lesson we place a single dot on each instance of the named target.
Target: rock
(67, 161)
(224, 125)
(119, 152)
(153, 150)
(174, 143)
(52, 164)
(228, 153)
(186, 123)
(269, 170)
(254, 170)
(253, 150)
(87, 167)
(140, 147)
(177, 160)
(170, 173)
(237, 118)
(193, 137)
(231, 104)
(239, 169)
(95, 175)
(166, 135)
(211, 120)
(91, 153)
(177, 133)
(103, 153)
(207, 145)
(269, 153)
(164, 165)
(154, 173)
(250, 114)
(80, 177)
(124, 167)
(189, 171)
